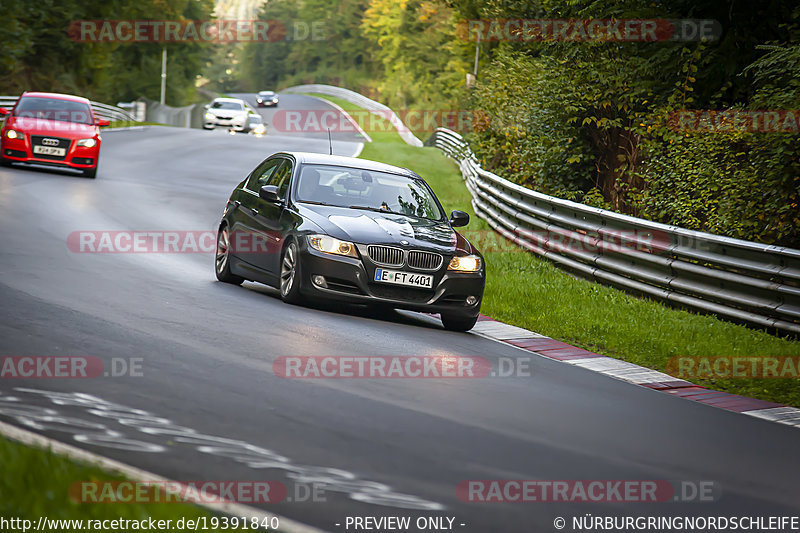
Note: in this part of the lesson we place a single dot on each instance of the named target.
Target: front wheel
(290, 274)
(458, 322)
(222, 263)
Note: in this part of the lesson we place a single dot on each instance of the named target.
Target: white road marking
(136, 474)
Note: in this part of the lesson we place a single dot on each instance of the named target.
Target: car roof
(226, 99)
(313, 158)
(57, 96)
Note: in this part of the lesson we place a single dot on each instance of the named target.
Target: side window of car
(282, 178)
(262, 174)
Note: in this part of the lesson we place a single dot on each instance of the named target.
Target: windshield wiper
(317, 203)
(368, 208)
(388, 211)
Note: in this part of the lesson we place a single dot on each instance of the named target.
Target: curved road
(297, 111)
(208, 405)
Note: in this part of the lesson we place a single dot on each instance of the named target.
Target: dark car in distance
(267, 99)
(324, 227)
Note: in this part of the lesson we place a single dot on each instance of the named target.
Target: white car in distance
(228, 112)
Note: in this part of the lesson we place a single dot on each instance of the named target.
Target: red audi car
(52, 129)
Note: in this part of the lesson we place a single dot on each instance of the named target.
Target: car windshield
(267, 93)
(54, 109)
(367, 189)
(233, 106)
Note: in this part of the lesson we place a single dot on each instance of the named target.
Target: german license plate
(49, 150)
(409, 279)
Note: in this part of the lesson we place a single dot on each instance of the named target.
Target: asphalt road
(306, 116)
(378, 447)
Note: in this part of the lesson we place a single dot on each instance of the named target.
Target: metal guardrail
(739, 280)
(372, 106)
(100, 110)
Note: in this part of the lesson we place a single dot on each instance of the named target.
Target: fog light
(471, 300)
(319, 281)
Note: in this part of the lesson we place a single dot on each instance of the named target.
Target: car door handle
(237, 203)
(254, 211)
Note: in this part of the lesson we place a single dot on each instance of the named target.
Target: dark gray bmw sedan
(339, 228)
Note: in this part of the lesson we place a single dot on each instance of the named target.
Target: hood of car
(371, 227)
(55, 128)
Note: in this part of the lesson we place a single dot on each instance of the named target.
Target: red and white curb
(638, 375)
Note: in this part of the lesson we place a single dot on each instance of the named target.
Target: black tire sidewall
(458, 322)
(225, 276)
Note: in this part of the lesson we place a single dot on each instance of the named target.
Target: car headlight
(465, 263)
(88, 143)
(14, 134)
(329, 245)
(210, 116)
(260, 100)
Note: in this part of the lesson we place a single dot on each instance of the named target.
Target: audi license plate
(404, 278)
(49, 150)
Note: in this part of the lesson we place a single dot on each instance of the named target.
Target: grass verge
(36, 483)
(528, 291)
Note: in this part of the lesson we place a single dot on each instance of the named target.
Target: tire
(458, 322)
(222, 259)
(4, 162)
(290, 274)
(91, 173)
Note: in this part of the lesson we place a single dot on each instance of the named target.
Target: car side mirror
(269, 193)
(458, 219)
(4, 112)
(102, 122)
(207, 106)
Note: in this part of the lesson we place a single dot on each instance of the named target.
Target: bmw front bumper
(351, 279)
